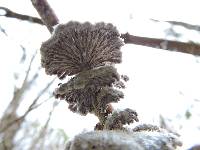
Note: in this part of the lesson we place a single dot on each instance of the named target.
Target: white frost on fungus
(124, 140)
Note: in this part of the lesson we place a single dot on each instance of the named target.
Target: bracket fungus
(88, 53)
(76, 47)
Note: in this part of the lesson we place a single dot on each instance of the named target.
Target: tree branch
(49, 18)
(42, 135)
(46, 13)
(11, 14)
(190, 48)
(183, 24)
(19, 92)
(10, 113)
(31, 107)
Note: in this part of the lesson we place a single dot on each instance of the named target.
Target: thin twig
(31, 107)
(190, 48)
(35, 76)
(11, 14)
(41, 103)
(23, 57)
(42, 133)
(10, 113)
(183, 24)
(18, 93)
(3, 31)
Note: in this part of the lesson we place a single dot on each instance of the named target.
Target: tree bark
(46, 13)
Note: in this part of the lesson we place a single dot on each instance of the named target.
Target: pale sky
(161, 82)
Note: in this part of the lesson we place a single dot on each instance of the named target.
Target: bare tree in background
(11, 122)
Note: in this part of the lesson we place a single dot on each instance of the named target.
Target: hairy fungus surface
(90, 90)
(117, 119)
(75, 47)
(89, 52)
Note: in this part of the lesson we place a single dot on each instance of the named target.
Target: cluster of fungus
(88, 53)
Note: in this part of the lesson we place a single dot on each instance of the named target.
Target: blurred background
(163, 87)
